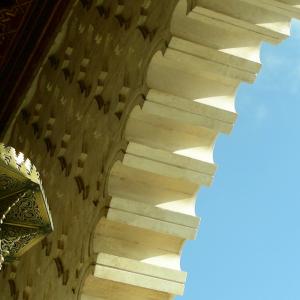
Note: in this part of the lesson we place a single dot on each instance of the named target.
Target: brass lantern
(24, 214)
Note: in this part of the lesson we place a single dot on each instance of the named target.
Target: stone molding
(214, 46)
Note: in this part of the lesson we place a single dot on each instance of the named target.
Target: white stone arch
(214, 46)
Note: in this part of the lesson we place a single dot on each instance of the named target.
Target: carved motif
(98, 68)
(26, 211)
(13, 239)
(8, 184)
(24, 215)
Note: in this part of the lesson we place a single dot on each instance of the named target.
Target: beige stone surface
(71, 127)
(122, 122)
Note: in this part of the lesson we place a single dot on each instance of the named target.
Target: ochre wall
(71, 128)
(121, 121)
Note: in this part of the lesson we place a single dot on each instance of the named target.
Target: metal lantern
(24, 214)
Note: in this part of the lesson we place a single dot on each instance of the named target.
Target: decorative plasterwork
(72, 125)
(122, 121)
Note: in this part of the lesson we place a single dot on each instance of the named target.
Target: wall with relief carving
(71, 126)
(121, 121)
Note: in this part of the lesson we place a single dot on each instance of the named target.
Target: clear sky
(248, 245)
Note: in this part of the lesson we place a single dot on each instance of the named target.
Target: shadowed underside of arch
(121, 120)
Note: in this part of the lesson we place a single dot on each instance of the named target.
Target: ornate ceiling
(13, 15)
(26, 28)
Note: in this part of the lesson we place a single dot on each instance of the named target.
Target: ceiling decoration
(12, 16)
(26, 30)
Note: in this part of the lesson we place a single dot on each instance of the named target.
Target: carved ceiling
(26, 29)
(13, 15)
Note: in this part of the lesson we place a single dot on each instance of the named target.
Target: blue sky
(248, 245)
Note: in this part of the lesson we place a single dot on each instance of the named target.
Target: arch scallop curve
(170, 137)
(121, 122)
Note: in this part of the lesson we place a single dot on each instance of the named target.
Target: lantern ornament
(24, 214)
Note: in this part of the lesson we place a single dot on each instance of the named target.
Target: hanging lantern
(24, 215)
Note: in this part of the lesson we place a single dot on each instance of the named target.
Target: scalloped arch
(214, 46)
